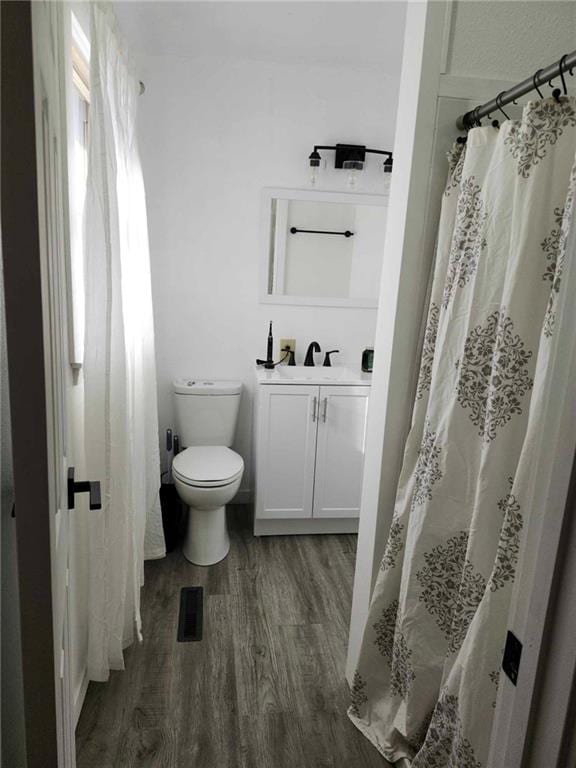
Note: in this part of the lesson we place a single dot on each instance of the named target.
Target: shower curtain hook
(556, 92)
(499, 104)
(535, 84)
(493, 122)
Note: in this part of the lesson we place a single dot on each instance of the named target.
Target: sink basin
(318, 375)
(306, 373)
(303, 374)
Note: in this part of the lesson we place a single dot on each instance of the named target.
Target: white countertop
(335, 375)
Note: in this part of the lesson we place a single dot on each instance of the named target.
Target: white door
(287, 421)
(342, 418)
(49, 49)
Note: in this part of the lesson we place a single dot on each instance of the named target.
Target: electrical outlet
(287, 343)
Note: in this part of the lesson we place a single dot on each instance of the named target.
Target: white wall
(213, 133)
(509, 40)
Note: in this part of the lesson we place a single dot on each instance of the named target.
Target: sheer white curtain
(477, 466)
(121, 423)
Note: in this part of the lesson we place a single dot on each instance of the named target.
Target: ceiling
(351, 33)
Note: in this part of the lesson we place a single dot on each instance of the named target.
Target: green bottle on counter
(368, 359)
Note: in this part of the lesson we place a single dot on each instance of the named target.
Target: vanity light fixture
(350, 157)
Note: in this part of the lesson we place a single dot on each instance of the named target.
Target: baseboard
(244, 496)
(79, 696)
(305, 526)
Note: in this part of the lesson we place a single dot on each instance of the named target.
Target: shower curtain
(425, 688)
(121, 423)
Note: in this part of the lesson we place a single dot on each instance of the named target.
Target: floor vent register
(190, 618)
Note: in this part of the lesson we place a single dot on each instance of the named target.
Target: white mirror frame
(319, 196)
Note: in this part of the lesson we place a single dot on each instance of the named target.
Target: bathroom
(208, 174)
(255, 382)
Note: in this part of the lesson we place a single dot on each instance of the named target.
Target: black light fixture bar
(346, 152)
(380, 152)
(295, 230)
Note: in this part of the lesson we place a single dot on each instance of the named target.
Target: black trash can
(171, 515)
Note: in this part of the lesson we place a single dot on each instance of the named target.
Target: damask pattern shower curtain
(426, 682)
(121, 422)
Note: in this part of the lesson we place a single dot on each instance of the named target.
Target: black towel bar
(294, 230)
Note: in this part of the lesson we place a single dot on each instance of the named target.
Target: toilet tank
(206, 411)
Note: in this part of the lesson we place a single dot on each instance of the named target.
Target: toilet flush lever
(85, 486)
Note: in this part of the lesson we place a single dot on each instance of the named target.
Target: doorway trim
(26, 372)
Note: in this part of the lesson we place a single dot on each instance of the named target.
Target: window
(79, 105)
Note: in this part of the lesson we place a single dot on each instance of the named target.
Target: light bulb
(314, 173)
(354, 167)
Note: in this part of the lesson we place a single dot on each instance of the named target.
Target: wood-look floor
(265, 687)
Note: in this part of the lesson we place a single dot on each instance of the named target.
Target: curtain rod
(541, 77)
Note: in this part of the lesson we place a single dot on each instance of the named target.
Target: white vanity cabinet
(310, 441)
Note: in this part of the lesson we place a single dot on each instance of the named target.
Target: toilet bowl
(207, 477)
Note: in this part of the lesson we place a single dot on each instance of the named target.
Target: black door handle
(85, 486)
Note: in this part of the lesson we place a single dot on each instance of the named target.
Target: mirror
(322, 248)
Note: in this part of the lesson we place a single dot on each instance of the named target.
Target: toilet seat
(207, 466)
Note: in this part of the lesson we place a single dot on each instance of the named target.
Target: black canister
(368, 359)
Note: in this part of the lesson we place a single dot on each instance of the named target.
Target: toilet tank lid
(196, 386)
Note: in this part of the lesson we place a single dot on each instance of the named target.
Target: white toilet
(207, 474)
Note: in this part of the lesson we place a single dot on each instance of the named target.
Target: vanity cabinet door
(286, 450)
(342, 418)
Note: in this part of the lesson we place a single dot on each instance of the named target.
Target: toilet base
(207, 541)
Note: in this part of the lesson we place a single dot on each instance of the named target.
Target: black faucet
(312, 347)
(327, 362)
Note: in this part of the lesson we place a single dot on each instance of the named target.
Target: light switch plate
(511, 658)
(287, 343)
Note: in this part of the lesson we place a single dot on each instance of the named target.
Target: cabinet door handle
(325, 409)
(314, 404)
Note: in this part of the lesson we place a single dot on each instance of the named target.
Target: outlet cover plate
(287, 343)
(511, 658)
